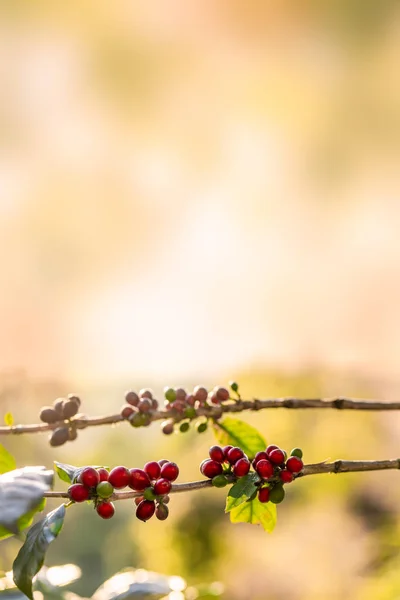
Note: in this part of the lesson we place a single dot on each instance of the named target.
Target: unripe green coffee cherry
(297, 452)
(190, 412)
(277, 494)
(148, 494)
(170, 394)
(219, 481)
(202, 427)
(185, 426)
(136, 419)
(234, 386)
(104, 489)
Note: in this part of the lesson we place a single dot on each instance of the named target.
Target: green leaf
(241, 491)
(24, 521)
(8, 419)
(30, 558)
(238, 433)
(7, 461)
(65, 472)
(255, 512)
(20, 492)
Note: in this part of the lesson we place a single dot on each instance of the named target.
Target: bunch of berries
(273, 467)
(154, 482)
(138, 407)
(184, 405)
(62, 411)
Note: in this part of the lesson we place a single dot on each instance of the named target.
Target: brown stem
(338, 466)
(215, 412)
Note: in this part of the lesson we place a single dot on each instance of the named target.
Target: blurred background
(192, 192)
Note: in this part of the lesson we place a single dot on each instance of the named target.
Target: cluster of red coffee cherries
(62, 411)
(273, 466)
(154, 482)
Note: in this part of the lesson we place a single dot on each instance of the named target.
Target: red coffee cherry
(132, 398)
(271, 447)
(180, 394)
(162, 486)
(162, 512)
(234, 455)
(119, 477)
(214, 398)
(216, 453)
(265, 469)
(146, 393)
(260, 456)
(226, 450)
(263, 494)
(105, 510)
(167, 427)
(127, 410)
(78, 492)
(222, 394)
(286, 476)
(89, 477)
(190, 400)
(103, 474)
(277, 457)
(163, 461)
(138, 500)
(170, 471)
(294, 464)
(241, 467)
(211, 468)
(139, 480)
(154, 404)
(152, 469)
(200, 393)
(145, 510)
(145, 405)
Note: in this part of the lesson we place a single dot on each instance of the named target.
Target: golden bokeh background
(192, 192)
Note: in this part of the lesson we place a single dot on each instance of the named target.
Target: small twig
(338, 466)
(213, 412)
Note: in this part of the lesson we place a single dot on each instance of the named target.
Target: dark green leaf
(21, 491)
(24, 521)
(7, 461)
(255, 512)
(241, 491)
(241, 434)
(30, 558)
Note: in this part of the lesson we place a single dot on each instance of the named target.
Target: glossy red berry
(127, 410)
(139, 480)
(260, 456)
(170, 470)
(263, 494)
(286, 476)
(235, 454)
(105, 510)
(152, 469)
(217, 453)
(200, 393)
(103, 474)
(162, 486)
(277, 457)
(214, 398)
(162, 512)
(145, 405)
(89, 477)
(78, 492)
(294, 464)
(270, 448)
(145, 510)
(132, 398)
(222, 394)
(119, 477)
(241, 467)
(226, 450)
(181, 394)
(146, 393)
(138, 499)
(265, 469)
(211, 468)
